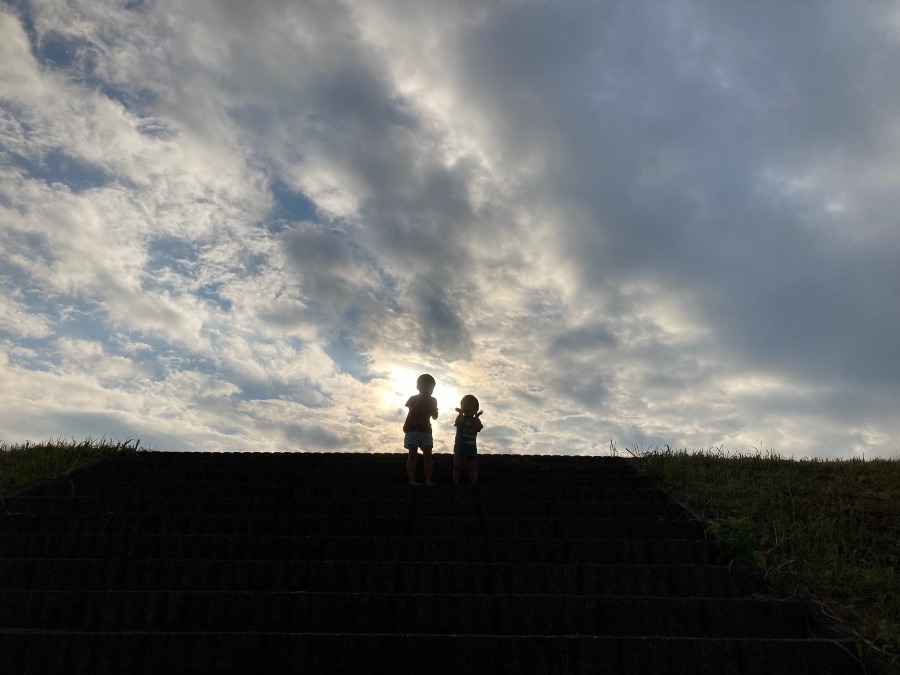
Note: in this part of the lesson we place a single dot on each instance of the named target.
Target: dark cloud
(584, 339)
(310, 438)
(440, 320)
(423, 221)
(665, 225)
(332, 277)
(585, 388)
(669, 126)
(360, 99)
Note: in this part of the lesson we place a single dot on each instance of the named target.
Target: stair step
(268, 506)
(374, 577)
(436, 549)
(87, 652)
(391, 476)
(304, 611)
(177, 562)
(517, 463)
(399, 490)
(553, 528)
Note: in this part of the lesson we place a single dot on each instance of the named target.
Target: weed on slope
(824, 530)
(28, 463)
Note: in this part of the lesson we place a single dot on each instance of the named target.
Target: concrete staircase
(187, 562)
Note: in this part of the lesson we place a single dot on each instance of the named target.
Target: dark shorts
(465, 450)
(418, 438)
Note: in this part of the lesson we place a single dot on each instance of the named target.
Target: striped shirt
(467, 429)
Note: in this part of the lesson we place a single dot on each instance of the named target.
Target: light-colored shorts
(418, 438)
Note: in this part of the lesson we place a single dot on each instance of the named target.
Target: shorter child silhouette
(465, 452)
(417, 428)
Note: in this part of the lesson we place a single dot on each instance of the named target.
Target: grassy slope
(29, 463)
(829, 530)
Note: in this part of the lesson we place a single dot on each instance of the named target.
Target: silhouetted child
(465, 451)
(417, 428)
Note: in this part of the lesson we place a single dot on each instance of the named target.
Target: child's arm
(434, 408)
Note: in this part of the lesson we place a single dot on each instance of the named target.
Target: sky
(228, 225)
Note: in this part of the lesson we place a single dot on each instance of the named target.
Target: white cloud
(21, 323)
(235, 228)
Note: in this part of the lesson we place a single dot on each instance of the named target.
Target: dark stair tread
(302, 611)
(353, 491)
(604, 551)
(391, 525)
(513, 462)
(86, 652)
(374, 576)
(237, 505)
(240, 479)
(695, 551)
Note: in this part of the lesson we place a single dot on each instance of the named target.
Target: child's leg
(457, 468)
(472, 465)
(429, 464)
(411, 461)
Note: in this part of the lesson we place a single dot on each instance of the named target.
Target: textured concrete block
(328, 561)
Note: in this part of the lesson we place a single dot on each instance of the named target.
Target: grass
(24, 464)
(826, 531)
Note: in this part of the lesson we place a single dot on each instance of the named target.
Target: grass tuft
(27, 463)
(827, 530)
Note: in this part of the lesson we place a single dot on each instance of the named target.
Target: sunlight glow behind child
(401, 384)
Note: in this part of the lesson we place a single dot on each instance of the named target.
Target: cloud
(331, 276)
(18, 321)
(442, 328)
(236, 229)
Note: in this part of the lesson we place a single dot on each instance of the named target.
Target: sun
(401, 384)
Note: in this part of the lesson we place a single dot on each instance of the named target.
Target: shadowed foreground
(184, 562)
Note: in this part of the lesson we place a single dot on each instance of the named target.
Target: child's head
(425, 384)
(468, 404)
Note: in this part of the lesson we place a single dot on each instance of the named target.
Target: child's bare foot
(429, 483)
(412, 482)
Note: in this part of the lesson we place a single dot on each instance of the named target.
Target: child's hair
(468, 398)
(423, 380)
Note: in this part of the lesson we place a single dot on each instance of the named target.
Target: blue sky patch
(56, 52)
(168, 252)
(289, 207)
(58, 167)
(346, 355)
